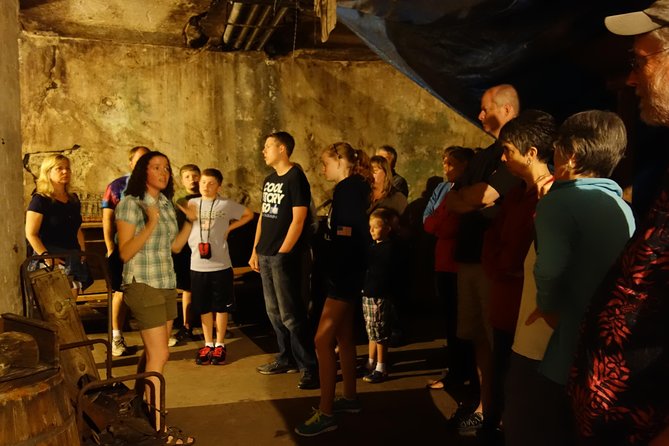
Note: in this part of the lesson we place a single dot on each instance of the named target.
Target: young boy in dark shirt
(381, 284)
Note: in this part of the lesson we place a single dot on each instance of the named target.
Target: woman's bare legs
(154, 359)
(347, 351)
(335, 328)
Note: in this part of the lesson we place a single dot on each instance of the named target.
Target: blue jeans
(281, 283)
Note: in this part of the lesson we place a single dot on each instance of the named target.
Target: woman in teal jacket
(582, 225)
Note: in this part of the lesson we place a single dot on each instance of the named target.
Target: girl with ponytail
(348, 239)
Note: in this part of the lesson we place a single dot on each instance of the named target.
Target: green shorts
(151, 307)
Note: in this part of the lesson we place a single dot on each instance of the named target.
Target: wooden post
(57, 305)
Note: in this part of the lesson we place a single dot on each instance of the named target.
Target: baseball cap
(640, 22)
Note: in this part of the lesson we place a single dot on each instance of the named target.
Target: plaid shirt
(152, 265)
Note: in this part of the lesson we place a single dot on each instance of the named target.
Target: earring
(529, 161)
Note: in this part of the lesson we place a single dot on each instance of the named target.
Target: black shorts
(182, 268)
(115, 270)
(345, 283)
(212, 291)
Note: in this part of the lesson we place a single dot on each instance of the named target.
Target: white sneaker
(118, 346)
(172, 341)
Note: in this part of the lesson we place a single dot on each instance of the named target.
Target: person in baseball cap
(619, 386)
(639, 22)
(650, 61)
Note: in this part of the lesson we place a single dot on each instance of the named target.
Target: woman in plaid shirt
(148, 233)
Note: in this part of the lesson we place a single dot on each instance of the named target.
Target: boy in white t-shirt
(211, 268)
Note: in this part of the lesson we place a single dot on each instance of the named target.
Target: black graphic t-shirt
(280, 194)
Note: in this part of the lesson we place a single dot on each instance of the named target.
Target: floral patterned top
(619, 384)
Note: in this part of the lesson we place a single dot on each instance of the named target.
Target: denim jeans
(281, 283)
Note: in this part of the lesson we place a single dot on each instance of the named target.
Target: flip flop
(437, 384)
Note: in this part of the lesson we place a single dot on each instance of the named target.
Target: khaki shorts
(151, 307)
(473, 303)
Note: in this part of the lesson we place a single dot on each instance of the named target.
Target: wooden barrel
(36, 411)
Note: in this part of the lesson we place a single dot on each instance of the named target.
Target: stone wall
(12, 245)
(94, 100)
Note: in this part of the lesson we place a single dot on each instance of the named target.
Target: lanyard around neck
(211, 212)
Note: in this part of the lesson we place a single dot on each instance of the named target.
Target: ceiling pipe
(275, 22)
(261, 22)
(245, 30)
(232, 20)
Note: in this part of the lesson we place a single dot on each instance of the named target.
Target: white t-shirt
(214, 218)
(530, 341)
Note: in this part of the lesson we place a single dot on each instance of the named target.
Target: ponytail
(362, 166)
(357, 160)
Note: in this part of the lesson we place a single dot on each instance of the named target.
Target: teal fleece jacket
(582, 226)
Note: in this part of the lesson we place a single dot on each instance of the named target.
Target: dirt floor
(232, 404)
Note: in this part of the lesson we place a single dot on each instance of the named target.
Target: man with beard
(618, 384)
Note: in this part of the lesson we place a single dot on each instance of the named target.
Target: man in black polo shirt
(485, 183)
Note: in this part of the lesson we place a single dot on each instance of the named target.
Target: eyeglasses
(637, 60)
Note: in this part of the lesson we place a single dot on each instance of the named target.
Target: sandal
(437, 384)
(175, 436)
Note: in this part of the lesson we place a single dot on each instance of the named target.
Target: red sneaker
(204, 355)
(218, 357)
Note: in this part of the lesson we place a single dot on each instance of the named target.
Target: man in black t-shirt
(279, 245)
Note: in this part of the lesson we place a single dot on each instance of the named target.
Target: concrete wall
(12, 245)
(94, 100)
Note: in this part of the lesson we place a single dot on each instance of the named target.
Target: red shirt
(505, 247)
(443, 225)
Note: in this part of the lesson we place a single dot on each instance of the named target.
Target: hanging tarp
(456, 49)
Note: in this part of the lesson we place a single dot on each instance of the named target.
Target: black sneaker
(182, 336)
(275, 368)
(309, 381)
(375, 377)
(468, 425)
(218, 355)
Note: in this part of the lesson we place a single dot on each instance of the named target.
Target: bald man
(485, 183)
